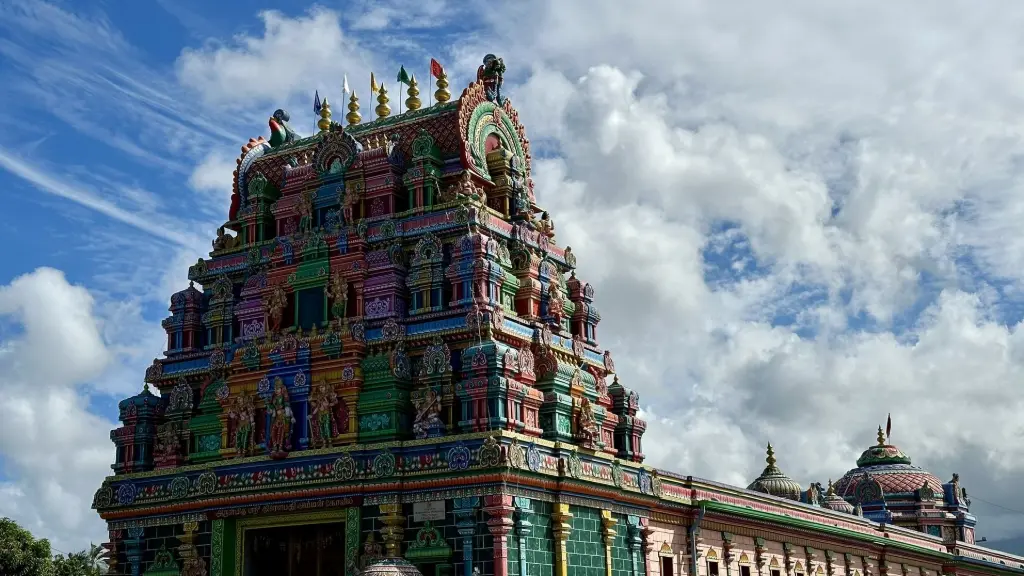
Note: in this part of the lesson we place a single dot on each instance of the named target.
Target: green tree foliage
(91, 562)
(21, 554)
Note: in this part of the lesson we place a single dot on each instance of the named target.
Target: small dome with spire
(834, 501)
(774, 482)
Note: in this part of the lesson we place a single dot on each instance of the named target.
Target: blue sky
(787, 241)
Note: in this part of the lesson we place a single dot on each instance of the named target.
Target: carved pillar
(133, 550)
(848, 563)
(465, 523)
(608, 533)
(788, 551)
(830, 563)
(561, 526)
(812, 555)
(499, 509)
(191, 563)
(760, 558)
(634, 543)
(727, 555)
(523, 529)
(393, 530)
(869, 567)
(646, 532)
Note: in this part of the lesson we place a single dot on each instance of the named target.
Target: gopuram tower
(387, 366)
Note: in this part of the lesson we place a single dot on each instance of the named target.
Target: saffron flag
(316, 103)
(373, 84)
(403, 76)
(435, 68)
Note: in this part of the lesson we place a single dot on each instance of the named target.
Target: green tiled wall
(540, 545)
(585, 546)
(622, 564)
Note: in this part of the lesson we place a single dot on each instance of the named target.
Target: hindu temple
(388, 365)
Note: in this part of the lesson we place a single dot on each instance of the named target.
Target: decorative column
(523, 529)
(727, 555)
(608, 533)
(646, 533)
(760, 559)
(465, 523)
(848, 564)
(561, 527)
(192, 564)
(869, 567)
(133, 549)
(393, 530)
(499, 509)
(787, 550)
(830, 563)
(812, 555)
(634, 543)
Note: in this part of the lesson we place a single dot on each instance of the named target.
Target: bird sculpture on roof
(280, 132)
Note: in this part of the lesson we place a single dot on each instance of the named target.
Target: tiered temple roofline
(389, 343)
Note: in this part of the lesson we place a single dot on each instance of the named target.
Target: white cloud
(55, 451)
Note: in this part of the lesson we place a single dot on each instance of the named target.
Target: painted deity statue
(322, 424)
(428, 423)
(556, 301)
(244, 415)
(276, 303)
(281, 420)
(546, 226)
(586, 424)
(491, 73)
(338, 291)
(305, 211)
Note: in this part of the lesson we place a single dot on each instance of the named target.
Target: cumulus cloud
(55, 450)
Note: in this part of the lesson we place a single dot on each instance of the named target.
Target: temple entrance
(307, 550)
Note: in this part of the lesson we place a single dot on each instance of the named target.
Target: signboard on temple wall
(428, 511)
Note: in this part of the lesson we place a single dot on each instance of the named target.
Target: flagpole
(430, 95)
(399, 98)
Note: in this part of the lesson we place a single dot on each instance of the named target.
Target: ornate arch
(336, 152)
(255, 148)
(480, 118)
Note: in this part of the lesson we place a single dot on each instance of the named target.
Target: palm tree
(97, 558)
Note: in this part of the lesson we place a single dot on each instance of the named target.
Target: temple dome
(391, 567)
(890, 468)
(773, 481)
(835, 502)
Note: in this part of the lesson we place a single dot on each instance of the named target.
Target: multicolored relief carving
(386, 335)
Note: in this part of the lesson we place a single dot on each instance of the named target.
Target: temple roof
(391, 567)
(773, 481)
(890, 468)
(835, 502)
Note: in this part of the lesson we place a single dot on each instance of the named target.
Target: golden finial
(442, 94)
(324, 124)
(413, 101)
(383, 110)
(353, 116)
(831, 489)
(771, 455)
(145, 386)
(881, 436)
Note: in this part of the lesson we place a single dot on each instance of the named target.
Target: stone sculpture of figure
(556, 302)
(244, 414)
(546, 226)
(586, 424)
(169, 441)
(276, 303)
(338, 291)
(224, 241)
(427, 423)
(305, 211)
(281, 420)
(492, 73)
(323, 426)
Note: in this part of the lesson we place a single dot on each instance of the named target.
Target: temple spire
(442, 94)
(353, 116)
(325, 117)
(771, 456)
(881, 436)
(383, 110)
(413, 101)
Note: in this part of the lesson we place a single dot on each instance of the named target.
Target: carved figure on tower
(281, 421)
(243, 413)
(224, 241)
(427, 423)
(323, 425)
(304, 209)
(556, 301)
(338, 292)
(491, 73)
(276, 303)
(546, 226)
(280, 132)
(586, 424)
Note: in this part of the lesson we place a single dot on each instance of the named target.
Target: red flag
(435, 68)
(888, 426)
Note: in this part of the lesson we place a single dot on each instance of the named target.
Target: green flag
(403, 76)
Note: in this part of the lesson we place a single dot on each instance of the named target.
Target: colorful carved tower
(392, 367)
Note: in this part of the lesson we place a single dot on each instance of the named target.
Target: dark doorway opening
(310, 550)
